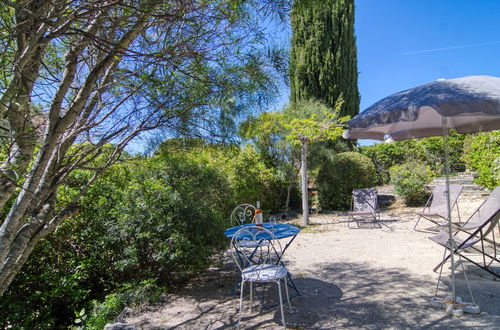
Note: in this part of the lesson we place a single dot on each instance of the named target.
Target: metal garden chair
(259, 263)
(243, 213)
(477, 235)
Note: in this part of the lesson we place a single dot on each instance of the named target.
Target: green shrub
(160, 217)
(129, 295)
(337, 178)
(386, 155)
(430, 150)
(410, 180)
(482, 154)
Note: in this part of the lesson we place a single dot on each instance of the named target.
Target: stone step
(466, 179)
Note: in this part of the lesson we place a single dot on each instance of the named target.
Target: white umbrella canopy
(467, 105)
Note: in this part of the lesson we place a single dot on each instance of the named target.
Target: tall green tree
(323, 62)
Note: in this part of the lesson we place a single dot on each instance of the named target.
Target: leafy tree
(105, 71)
(143, 219)
(323, 63)
(267, 133)
(323, 127)
(386, 155)
(433, 152)
(429, 150)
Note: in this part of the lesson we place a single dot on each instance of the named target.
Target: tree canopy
(77, 75)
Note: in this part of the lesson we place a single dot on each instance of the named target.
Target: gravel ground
(369, 277)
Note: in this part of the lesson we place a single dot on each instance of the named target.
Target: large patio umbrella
(467, 105)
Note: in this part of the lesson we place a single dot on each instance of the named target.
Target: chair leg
(251, 295)
(281, 304)
(416, 224)
(241, 302)
(287, 295)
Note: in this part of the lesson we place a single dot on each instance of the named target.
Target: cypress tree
(323, 62)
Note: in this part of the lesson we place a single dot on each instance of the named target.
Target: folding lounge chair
(479, 228)
(435, 210)
(364, 206)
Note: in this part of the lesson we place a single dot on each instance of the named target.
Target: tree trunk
(288, 193)
(305, 197)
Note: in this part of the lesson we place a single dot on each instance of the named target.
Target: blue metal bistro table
(280, 231)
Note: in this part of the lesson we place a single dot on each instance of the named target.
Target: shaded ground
(363, 278)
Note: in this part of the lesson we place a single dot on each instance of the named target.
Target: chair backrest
(257, 247)
(243, 213)
(364, 200)
(486, 212)
(439, 205)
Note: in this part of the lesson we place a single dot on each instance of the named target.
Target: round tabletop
(280, 230)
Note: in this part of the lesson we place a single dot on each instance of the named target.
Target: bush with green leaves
(386, 155)
(128, 295)
(482, 154)
(338, 177)
(160, 217)
(70, 266)
(410, 180)
(430, 150)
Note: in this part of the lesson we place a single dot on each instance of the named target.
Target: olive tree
(321, 124)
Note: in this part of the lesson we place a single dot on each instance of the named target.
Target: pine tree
(323, 62)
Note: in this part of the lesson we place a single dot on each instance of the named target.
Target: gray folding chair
(436, 208)
(364, 206)
(479, 228)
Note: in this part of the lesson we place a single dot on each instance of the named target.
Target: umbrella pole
(451, 243)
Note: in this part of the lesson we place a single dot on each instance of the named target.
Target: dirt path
(368, 278)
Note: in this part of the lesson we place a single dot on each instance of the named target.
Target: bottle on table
(258, 215)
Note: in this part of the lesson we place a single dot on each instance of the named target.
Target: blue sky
(402, 44)
(405, 43)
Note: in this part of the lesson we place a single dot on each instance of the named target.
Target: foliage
(386, 155)
(128, 295)
(150, 218)
(482, 154)
(337, 178)
(322, 124)
(323, 63)
(433, 152)
(267, 133)
(159, 217)
(88, 71)
(249, 176)
(410, 180)
(430, 150)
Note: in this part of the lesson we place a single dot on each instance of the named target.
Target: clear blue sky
(402, 44)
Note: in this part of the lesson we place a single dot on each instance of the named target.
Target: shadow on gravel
(340, 295)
